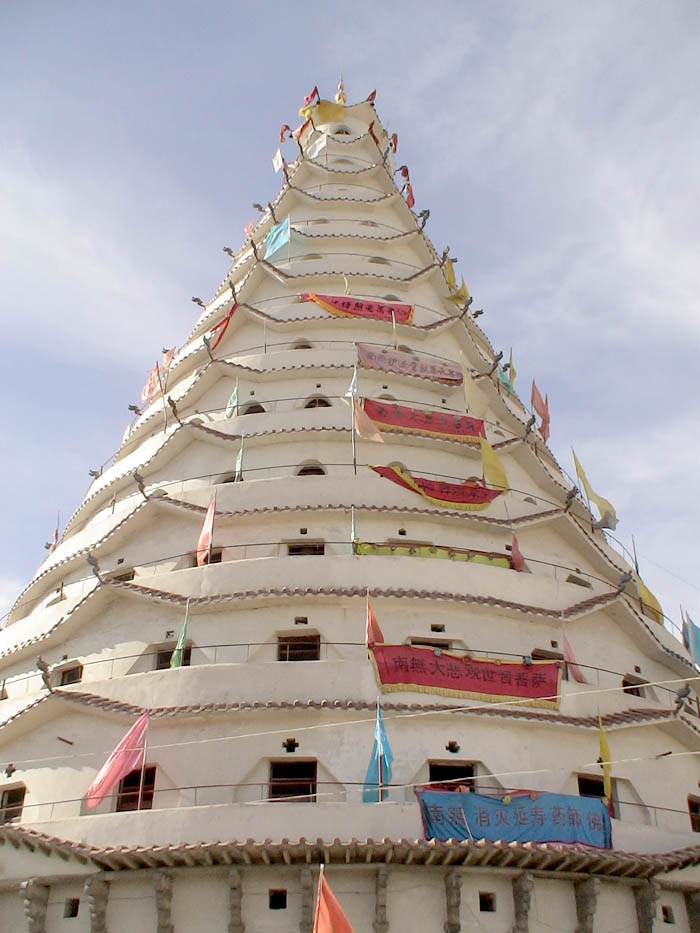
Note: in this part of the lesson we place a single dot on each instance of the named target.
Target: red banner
(346, 306)
(468, 496)
(392, 417)
(430, 670)
(387, 360)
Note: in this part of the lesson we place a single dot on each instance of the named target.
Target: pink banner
(387, 360)
(427, 670)
(390, 416)
(347, 306)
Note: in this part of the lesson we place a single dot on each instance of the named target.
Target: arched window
(391, 298)
(311, 256)
(341, 131)
(319, 220)
(379, 260)
(229, 478)
(311, 469)
(302, 345)
(318, 401)
(255, 408)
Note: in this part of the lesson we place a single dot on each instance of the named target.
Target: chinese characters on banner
(469, 496)
(434, 550)
(392, 417)
(527, 816)
(408, 667)
(388, 360)
(346, 306)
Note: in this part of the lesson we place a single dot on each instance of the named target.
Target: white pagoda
(540, 715)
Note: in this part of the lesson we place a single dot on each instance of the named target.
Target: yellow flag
(323, 111)
(511, 368)
(449, 270)
(608, 516)
(493, 468)
(461, 296)
(347, 285)
(605, 757)
(474, 399)
(649, 601)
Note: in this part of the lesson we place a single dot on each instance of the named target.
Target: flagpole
(143, 763)
(380, 750)
(162, 396)
(211, 539)
(393, 323)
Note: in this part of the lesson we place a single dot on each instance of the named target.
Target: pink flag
(541, 406)
(249, 229)
(167, 360)
(364, 426)
(329, 917)
(517, 561)
(310, 97)
(151, 387)
(373, 634)
(371, 97)
(206, 535)
(574, 669)
(394, 142)
(410, 200)
(284, 129)
(127, 756)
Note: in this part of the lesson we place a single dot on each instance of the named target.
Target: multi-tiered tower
(258, 744)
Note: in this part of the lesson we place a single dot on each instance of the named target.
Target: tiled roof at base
(551, 857)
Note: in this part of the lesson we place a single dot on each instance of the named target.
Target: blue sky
(555, 144)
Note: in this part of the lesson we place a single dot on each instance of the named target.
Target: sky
(555, 145)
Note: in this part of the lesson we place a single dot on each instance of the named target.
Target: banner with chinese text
(432, 550)
(469, 496)
(388, 360)
(521, 816)
(389, 416)
(419, 669)
(346, 306)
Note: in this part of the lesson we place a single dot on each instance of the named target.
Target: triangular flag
(380, 762)
(177, 655)
(608, 517)
(277, 161)
(541, 407)
(206, 535)
(277, 237)
(232, 404)
(239, 463)
(649, 601)
(309, 97)
(371, 97)
(517, 561)
(493, 468)
(410, 200)
(364, 426)
(329, 916)
(461, 296)
(511, 368)
(151, 387)
(126, 757)
(167, 360)
(571, 664)
(449, 271)
(505, 381)
(605, 758)
(691, 637)
(373, 634)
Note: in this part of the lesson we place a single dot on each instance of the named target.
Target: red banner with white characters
(392, 417)
(429, 670)
(468, 496)
(388, 360)
(346, 306)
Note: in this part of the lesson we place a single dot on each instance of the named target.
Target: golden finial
(340, 97)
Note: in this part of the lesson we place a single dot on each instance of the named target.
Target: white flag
(277, 161)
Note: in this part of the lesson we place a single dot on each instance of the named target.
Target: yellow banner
(435, 551)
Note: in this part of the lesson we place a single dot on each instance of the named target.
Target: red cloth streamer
(370, 130)
(517, 561)
(127, 756)
(468, 496)
(371, 97)
(541, 407)
(221, 327)
(410, 364)
(408, 667)
(285, 128)
(329, 916)
(410, 200)
(249, 229)
(393, 417)
(206, 535)
(373, 633)
(152, 384)
(574, 669)
(310, 97)
(356, 307)
(394, 142)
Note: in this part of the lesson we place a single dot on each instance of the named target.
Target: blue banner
(523, 816)
(379, 770)
(277, 238)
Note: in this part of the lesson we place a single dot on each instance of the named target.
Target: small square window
(301, 620)
(71, 675)
(71, 907)
(667, 913)
(278, 898)
(487, 902)
(164, 657)
(135, 795)
(11, 803)
(298, 647)
(694, 811)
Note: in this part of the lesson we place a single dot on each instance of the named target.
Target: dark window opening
(694, 811)
(301, 620)
(3, 690)
(667, 913)
(306, 549)
(71, 675)
(453, 774)
(437, 627)
(126, 577)
(302, 346)
(546, 654)
(487, 902)
(318, 402)
(278, 898)
(135, 795)
(441, 644)
(589, 786)
(293, 779)
(579, 581)
(164, 657)
(633, 685)
(311, 469)
(11, 803)
(254, 409)
(71, 907)
(298, 647)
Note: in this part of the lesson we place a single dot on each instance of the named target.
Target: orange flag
(574, 669)
(329, 917)
(373, 633)
(364, 426)
(206, 535)
(541, 406)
